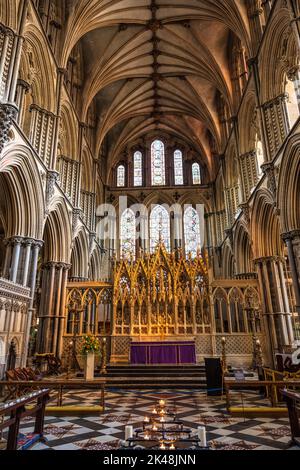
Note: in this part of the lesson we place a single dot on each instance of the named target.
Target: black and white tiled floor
(104, 432)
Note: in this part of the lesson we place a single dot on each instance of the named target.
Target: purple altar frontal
(163, 352)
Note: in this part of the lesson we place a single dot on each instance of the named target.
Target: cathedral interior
(150, 182)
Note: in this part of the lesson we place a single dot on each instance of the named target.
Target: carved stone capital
(8, 112)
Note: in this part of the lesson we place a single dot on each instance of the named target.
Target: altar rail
(17, 412)
(16, 388)
(272, 391)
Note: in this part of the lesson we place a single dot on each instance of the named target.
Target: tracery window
(158, 163)
(196, 173)
(138, 169)
(121, 176)
(127, 234)
(178, 167)
(159, 227)
(191, 231)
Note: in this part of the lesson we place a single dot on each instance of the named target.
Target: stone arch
(57, 233)
(288, 198)
(68, 133)
(265, 226)
(80, 256)
(22, 198)
(243, 250)
(8, 13)
(228, 262)
(279, 53)
(38, 69)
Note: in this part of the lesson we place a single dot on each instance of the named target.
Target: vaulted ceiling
(157, 65)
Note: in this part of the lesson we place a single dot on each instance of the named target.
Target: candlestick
(202, 436)
(128, 433)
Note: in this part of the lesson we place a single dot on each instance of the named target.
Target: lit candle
(172, 447)
(154, 411)
(128, 432)
(162, 419)
(162, 446)
(202, 436)
(162, 402)
(154, 428)
(146, 419)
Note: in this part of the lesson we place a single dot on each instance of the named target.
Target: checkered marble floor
(104, 432)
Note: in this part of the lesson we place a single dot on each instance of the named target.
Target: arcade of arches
(189, 109)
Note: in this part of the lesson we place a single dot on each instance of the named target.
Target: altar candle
(128, 432)
(202, 436)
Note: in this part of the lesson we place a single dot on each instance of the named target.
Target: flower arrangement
(91, 344)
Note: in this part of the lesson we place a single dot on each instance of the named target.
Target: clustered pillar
(52, 307)
(277, 314)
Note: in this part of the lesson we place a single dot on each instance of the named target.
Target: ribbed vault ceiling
(155, 65)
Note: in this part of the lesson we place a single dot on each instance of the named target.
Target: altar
(163, 352)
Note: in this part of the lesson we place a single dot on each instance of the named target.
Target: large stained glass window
(121, 176)
(138, 169)
(178, 167)
(127, 234)
(159, 227)
(158, 163)
(191, 231)
(196, 173)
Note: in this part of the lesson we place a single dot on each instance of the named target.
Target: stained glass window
(191, 231)
(138, 169)
(178, 167)
(158, 163)
(159, 227)
(196, 173)
(121, 176)
(127, 233)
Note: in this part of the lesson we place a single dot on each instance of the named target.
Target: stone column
(22, 88)
(35, 249)
(255, 12)
(15, 258)
(275, 302)
(62, 311)
(292, 240)
(28, 244)
(253, 63)
(7, 259)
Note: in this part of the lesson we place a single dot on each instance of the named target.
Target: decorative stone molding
(8, 113)
(52, 177)
(269, 170)
(75, 218)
